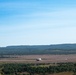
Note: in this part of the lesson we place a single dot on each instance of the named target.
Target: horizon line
(38, 44)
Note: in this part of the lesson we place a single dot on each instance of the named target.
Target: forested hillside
(39, 49)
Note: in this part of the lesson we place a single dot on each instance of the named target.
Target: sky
(37, 22)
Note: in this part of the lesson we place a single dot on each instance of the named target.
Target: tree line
(39, 49)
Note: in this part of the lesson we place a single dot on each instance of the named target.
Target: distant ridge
(53, 46)
(39, 49)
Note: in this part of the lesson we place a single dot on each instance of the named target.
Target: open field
(63, 73)
(32, 58)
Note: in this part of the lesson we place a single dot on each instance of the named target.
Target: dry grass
(63, 73)
(45, 59)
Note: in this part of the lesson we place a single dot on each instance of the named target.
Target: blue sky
(37, 22)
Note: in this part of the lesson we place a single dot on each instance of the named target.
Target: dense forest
(36, 69)
(39, 49)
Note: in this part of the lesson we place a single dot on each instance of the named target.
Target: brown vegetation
(45, 58)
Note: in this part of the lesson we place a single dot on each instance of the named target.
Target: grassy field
(32, 59)
(63, 73)
(47, 60)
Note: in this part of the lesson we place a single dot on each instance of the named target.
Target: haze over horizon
(37, 22)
